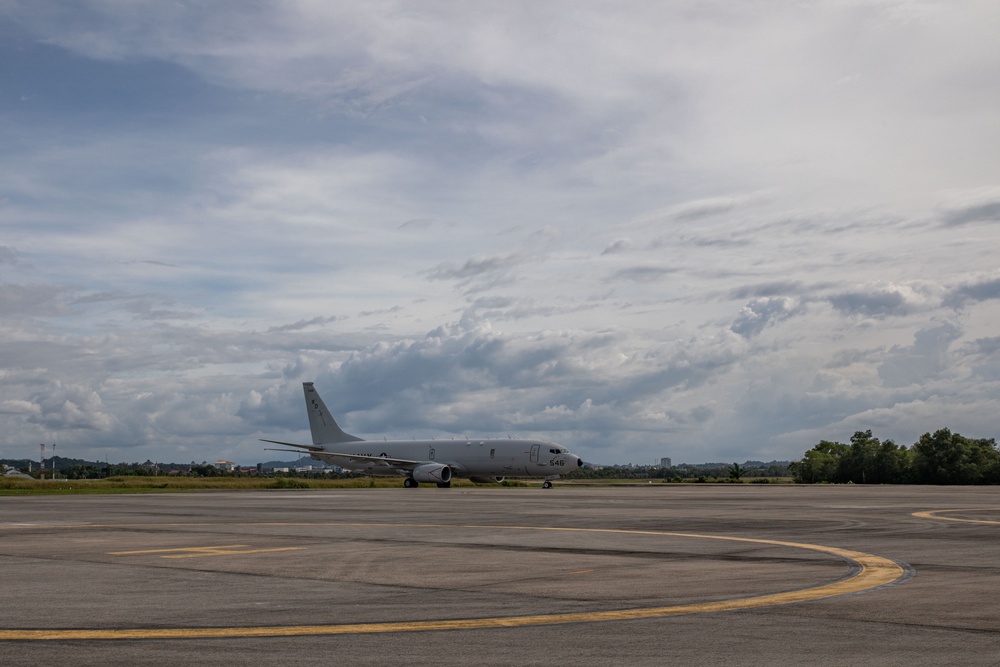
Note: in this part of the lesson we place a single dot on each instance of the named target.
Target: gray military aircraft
(429, 461)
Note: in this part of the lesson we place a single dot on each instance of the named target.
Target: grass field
(21, 487)
(9, 487)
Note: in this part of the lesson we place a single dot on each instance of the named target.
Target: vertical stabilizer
(322, 424)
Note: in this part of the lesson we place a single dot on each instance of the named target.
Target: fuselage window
(430, 454)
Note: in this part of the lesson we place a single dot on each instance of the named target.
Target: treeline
(686, 471)
(941, 458)
(73, 469)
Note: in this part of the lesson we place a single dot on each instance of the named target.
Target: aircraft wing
(388, 461)
(406, 464)
(308, 448)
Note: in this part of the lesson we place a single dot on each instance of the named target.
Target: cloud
(21, 407)
(979, 205)
(760, 314)
(771, 289)
(714, 206)
(880, 303)
(983, 290)
(643, 274)
(621, 245)
(303, 324)
(29, 300)
(474, 267)
(983, 358)
(922, 361)
(69, 407)
(8, 255)
(988, 212)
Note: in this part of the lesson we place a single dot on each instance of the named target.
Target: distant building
(665, 462)
(12, 472)
(228, 466)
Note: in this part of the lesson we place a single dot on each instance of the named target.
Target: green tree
(950, 458)
(857, 464)
(892, 464)
(820, 464)
(735, 472)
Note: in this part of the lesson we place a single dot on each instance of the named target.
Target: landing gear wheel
(444, 485)
(410, 483)
(546, 484)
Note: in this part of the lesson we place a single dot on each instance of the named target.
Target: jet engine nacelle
(430, 473)
(486, 480)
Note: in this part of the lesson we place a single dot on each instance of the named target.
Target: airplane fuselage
(483, 458)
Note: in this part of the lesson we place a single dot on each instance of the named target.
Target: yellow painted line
(174, 550)
(199, 552)
(872, 572)
(232, 553)
(933, 514)
(582, 572)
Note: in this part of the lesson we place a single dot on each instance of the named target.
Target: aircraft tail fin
(324, 427)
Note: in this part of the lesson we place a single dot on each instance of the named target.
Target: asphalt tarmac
(651, 575)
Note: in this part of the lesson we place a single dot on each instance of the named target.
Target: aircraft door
(534, 453)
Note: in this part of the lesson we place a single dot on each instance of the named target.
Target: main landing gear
(411, 483)
(546, 484)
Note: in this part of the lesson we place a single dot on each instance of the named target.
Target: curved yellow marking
(873, 572)
(933, 514)
(198, 552)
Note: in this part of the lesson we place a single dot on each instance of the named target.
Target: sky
(709, 231)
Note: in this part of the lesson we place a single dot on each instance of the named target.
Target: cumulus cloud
(65, 407)
(922, 361)
(879, 303)
(760, 314)
(984, 358)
